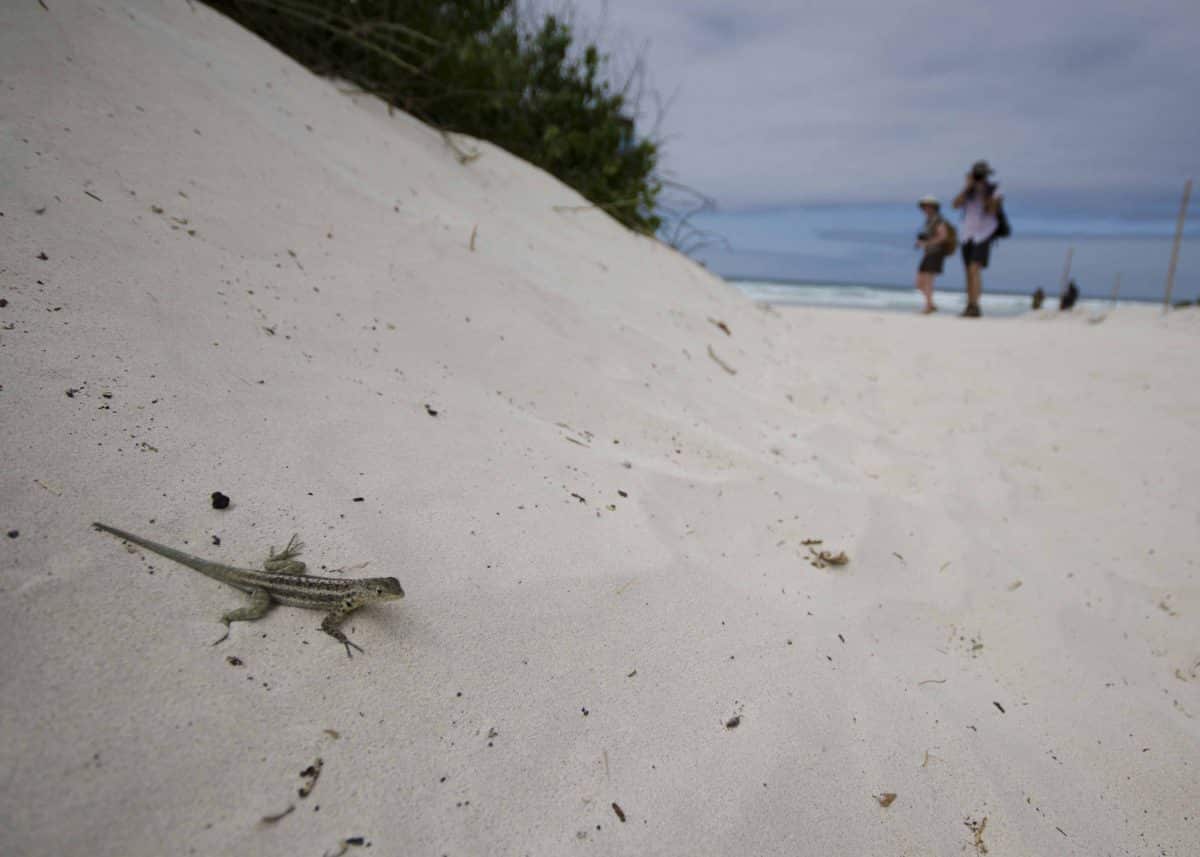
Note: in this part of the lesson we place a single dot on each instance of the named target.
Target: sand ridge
(255, 283)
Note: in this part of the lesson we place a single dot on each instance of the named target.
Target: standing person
(980, 201)
(935, 239)
(1068, 298)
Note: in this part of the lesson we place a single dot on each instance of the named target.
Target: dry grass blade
(334, 29)
(721, 362)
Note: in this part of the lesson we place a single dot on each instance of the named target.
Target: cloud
(1084, 105)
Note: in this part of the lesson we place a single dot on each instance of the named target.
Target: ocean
(896, 299)
(874, 244)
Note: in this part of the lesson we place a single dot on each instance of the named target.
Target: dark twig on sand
(271, 819)
(721, 362)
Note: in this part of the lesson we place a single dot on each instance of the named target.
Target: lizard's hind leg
(285, 561)
(260, 603)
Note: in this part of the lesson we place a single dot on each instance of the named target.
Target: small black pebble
(430, 411)
(12, 534)
(585, 712)
(43, 257)
(217, 540)
(233, 661)
(1001, 707)
(359, 499)
(3, 302)
(219, 500)
(71, 393)
(622, 493)
(355, 840)
(733, 722)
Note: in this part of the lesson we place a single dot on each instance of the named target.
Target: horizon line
(784, 281)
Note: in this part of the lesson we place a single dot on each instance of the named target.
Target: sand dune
(224, 274)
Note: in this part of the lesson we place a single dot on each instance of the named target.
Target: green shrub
(477, 68)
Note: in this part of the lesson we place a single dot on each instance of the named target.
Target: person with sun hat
(935, 239)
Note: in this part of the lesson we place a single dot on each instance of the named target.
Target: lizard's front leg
(285, 561)
(260, 603)
(335, 618)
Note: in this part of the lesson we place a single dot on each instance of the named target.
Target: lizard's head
(387, 588)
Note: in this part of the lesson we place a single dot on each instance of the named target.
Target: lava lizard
(284, 581)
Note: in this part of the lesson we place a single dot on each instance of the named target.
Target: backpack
(950, 244)
(1003, 228)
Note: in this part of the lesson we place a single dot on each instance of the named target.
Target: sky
(814, 126)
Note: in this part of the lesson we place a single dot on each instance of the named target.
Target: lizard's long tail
(162, 550)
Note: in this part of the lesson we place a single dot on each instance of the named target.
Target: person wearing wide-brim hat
(933, 239)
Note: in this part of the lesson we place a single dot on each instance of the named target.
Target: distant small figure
(1039, 297)
(938, 239)
(1069, 296)
(980, 201)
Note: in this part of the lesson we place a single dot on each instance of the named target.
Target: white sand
(605, 639)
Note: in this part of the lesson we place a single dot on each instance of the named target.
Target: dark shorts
(973, 251)
(932, 263)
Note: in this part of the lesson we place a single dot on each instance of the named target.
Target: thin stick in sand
(1183, 207)
(1066, 277)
